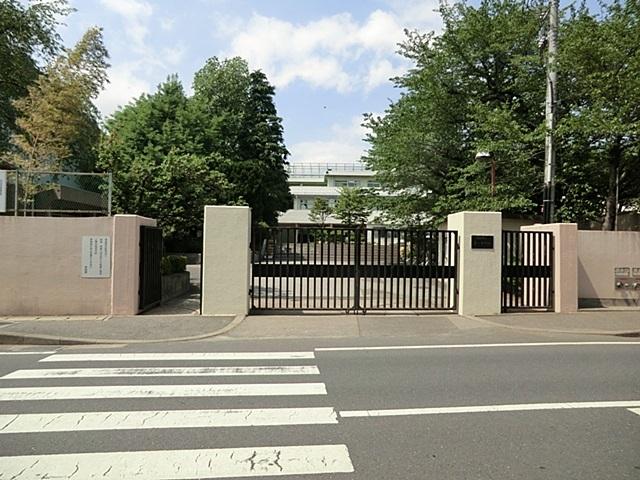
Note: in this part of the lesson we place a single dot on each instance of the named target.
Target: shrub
(173, 264)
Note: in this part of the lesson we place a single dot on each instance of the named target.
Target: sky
(329, 60)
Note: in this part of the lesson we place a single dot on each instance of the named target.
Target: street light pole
(550, 117)
(493, 176)
(484, 156)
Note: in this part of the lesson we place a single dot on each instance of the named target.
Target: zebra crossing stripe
(151, 391)
(523, 407)
(193, 356)
(183, 464)
(27, 353)
(123, 420)
(162, 372)
(445, 346)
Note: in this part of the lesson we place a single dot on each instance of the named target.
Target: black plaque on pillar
(482, 242)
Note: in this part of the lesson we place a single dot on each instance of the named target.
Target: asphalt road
(226, 409)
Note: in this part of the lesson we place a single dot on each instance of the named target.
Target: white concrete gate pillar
(565, 263)
(226, 260)
(480, 261)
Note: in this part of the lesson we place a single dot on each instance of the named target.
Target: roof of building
(360, 173)
(317, 169)
(307, 180)
(312, 190)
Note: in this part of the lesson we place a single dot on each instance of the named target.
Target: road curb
(9, 338)
(613, 333)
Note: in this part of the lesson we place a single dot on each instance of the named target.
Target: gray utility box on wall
(627, 278)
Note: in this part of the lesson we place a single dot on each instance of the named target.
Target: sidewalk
(90, 330)
(159, 328)
(621, 322)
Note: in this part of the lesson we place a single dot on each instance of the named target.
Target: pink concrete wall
(40, 263)
(599, 253)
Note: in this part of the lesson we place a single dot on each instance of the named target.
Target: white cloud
(381, 71)
(335, 52)
(173, 55)
(345, 146)
(317, 71)
(329, 151)
(124, 85)
(167, 24)
(381, 32)
(129, 8)
(419, 14)
(135, 14)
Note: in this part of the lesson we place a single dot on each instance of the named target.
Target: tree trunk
(612, 188)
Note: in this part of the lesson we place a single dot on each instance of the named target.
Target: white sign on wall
(3, 190)
(96, 257)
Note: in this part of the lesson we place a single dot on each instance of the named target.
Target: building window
(373, 184)
(304, 204)
(347, 183)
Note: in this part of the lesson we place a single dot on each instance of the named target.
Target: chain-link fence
(56, 194)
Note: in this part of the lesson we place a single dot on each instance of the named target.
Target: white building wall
(306, 189)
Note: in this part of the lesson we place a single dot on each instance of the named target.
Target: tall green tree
(241, 123)
(477, 86)
(264, 153)
(28, 35)
(57, 120)
(320, 211)
(600, 128)
(353, 206)
(222, 145)
(159, 169)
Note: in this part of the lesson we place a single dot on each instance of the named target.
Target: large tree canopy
(57, 120)
(158, 168)
(477, 86)
(244, 128)
(480, 86)
(600, 125)
(27, 35)
(171, 154)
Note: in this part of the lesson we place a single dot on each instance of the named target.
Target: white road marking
(152, 357)
(182, 464)
(635, 410)
(163, 372)
(27, 353)
(470, 345)
(393, 412)
(152, 391)
(77, 421)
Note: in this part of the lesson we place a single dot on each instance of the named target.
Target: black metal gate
(353, 269)
(527, 270)
(150, 286)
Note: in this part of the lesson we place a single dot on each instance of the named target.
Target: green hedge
(173, 264)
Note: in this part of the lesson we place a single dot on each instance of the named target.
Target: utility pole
(549, 198)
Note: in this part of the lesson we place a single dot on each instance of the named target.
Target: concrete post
(565, 261)
(226, 261)
(480, 268)
(125, 276)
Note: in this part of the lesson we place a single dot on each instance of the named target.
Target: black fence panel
(353, 269)
(527, 270)
(150, 286)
